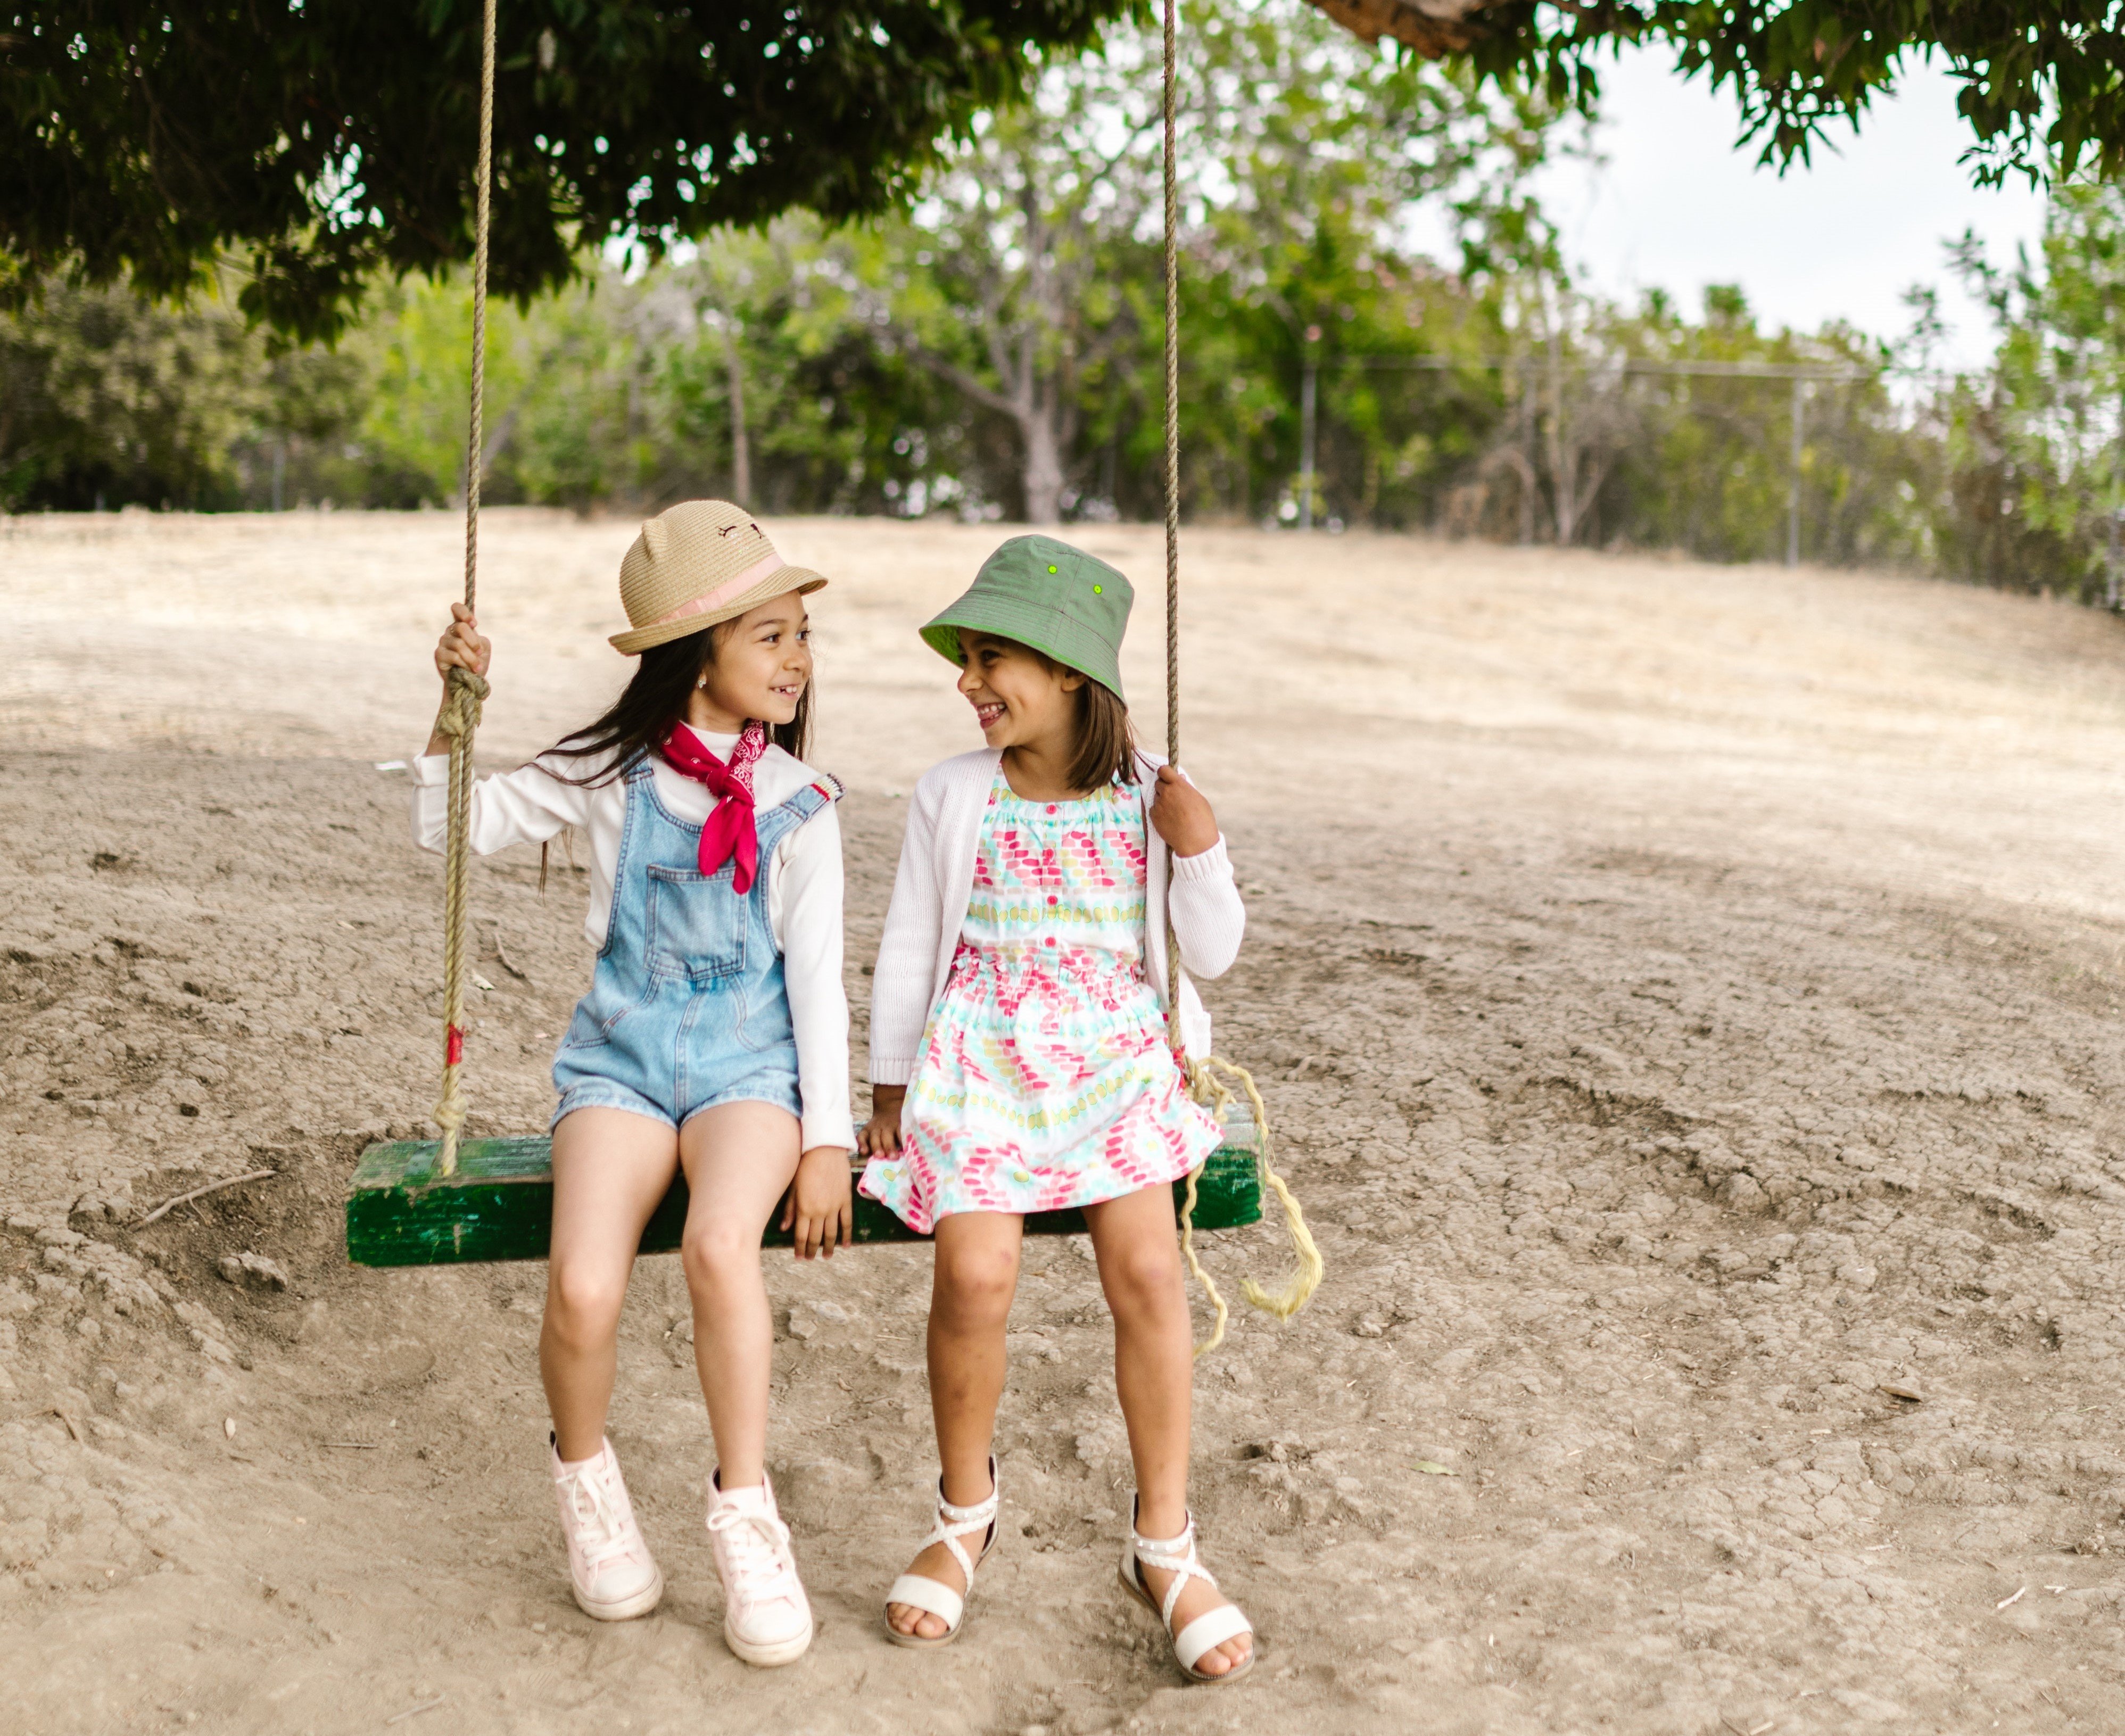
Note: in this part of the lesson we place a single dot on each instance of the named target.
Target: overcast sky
(1676, 206)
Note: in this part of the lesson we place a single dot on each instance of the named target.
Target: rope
(1172, 430)
(462, 693)
(1298, 1289)
(1204, 1080)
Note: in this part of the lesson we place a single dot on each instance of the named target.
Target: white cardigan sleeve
(1208, 919)
(905, 976)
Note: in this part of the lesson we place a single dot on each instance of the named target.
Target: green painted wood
(499, 1206)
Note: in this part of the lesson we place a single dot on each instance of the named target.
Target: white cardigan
(936, 879)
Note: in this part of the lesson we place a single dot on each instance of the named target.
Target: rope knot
(461, 705)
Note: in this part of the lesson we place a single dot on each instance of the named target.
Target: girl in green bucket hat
(1024, 1059)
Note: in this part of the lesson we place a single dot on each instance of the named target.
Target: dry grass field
(1689, 998)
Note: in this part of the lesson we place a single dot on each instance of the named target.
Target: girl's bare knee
(583, 1302)
(974, 1286)
(1141, 1279)
(714, 1257)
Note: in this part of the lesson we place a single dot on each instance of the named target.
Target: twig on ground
(415, 1711)
(2015, 1597)
(503, 958)
(72, 1427)
(353, 1446)
(255, 1175)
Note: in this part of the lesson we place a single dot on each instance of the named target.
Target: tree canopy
(325, 143)
(2044, 81)
(328, 140)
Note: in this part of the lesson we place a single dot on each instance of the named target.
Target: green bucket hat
(1044, 593)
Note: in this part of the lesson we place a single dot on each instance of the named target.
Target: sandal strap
(1173, 1555)
(955, 1522)
(1212, 1627)
(918, 1590)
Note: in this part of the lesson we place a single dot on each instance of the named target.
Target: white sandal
(934, 1596)
(1176, 1555)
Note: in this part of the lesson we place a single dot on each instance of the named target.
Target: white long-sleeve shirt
(530, 805)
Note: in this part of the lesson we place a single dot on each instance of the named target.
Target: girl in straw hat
(714, 1036)
(1022, 1059)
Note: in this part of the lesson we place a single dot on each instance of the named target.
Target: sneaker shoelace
(591, 1506)
(757, 1546)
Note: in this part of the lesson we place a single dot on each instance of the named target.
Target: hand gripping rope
(464, 691)
(1206, 1078)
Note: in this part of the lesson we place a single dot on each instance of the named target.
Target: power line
(1627, 364)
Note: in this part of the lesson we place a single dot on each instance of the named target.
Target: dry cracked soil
(1688, 1000)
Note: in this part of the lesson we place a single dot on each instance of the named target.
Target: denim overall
(687, 1007)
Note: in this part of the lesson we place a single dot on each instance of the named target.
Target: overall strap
(772, 825)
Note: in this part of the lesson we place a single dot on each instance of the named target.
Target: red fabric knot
(453, 1048)
(729, 833)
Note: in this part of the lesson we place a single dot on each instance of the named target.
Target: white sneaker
(767, 1620)
(609, 1564)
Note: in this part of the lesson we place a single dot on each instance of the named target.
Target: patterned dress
(1045, 1080)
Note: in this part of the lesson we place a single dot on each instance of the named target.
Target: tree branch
(987, 396)
(1434, 28)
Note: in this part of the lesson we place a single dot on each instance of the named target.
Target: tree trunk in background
(1563, 501)
(1042, 474)
(741, 451)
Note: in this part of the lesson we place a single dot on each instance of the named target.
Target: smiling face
(758, 667)
(1020, 699)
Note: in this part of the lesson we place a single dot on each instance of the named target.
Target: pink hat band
(736, 586)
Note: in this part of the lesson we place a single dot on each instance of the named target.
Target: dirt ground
(1689, 998)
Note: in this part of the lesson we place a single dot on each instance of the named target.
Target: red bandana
(729, 831)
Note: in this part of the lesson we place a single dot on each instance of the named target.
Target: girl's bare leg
(609, 1170)
(740, 1158)
(1140, 1269)
(970, 1295)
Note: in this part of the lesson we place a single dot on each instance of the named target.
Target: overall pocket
(696, 926)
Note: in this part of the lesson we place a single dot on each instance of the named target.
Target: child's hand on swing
(819, 1206)
(1182, 815)
(879, 1137)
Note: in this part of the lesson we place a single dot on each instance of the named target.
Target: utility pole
(1306, 431)
(1793, 487)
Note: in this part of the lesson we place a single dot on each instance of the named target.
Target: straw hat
(695, 564)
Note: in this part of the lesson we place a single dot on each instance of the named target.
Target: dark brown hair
(1106, 739)
(655, 698)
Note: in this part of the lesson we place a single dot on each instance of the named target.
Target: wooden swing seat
(499, 1204)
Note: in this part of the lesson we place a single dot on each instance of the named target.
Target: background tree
(2042, 81)
(2046, 437)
